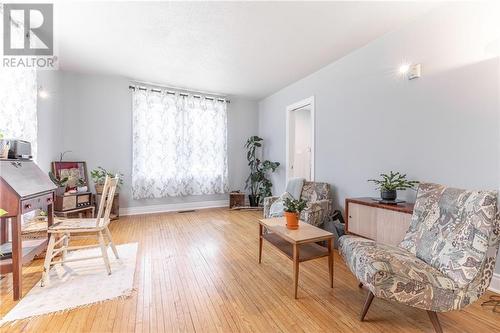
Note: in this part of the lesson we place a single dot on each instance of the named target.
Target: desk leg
(295, 268)
(4, 238)
(17, 257)
(330, 262)
(260, 242)
(50, 214)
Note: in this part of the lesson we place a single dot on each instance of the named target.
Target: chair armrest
(316, 212)
(268, 201)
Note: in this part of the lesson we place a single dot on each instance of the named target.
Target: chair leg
(435, 321)
(108, 233)
(48, 260)
(65, 247)
(368, 302)
(104, 251)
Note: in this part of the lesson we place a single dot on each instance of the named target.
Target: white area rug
(79, 283)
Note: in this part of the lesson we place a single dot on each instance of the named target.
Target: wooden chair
(61, 231)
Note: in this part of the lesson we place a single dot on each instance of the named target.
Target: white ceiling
(234, 48)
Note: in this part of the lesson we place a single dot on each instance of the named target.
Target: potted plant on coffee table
(258, 181)
(390, 183)
(292, 209)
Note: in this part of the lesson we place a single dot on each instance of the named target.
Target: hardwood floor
(199, 272)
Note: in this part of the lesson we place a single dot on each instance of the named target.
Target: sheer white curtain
(179, 145)
(18, 97)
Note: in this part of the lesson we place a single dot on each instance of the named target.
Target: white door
(301, 158)
(300, 140)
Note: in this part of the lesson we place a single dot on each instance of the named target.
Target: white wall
(50, 120)
(97, 128)
(443, 127)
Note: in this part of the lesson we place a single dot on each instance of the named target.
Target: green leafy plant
(99, 174)
(393, 181)
(294, 206)
(258, 181)
(61, 182)
(81, 182)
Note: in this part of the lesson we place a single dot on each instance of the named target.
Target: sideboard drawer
(40, 202)
(391, 226)
(362, 220)
(384, 224)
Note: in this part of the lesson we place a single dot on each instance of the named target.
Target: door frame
(289, 109)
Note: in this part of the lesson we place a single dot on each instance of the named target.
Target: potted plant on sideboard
(292, 210)
(98, 176)
(390, 183)
(258, 181)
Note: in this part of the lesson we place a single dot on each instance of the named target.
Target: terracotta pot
(292, 220)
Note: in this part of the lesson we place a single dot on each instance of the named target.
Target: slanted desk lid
(25, 177)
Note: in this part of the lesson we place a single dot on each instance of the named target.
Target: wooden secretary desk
(383, 223)
(24, 187)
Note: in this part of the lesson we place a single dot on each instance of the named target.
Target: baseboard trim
(495, 283)
(173, 207)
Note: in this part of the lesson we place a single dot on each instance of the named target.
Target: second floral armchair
(319, 203)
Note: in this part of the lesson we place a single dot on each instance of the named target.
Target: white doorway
(300, 139)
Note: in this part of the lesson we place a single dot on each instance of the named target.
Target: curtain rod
(180, 94)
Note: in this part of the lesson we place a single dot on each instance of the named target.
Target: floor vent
(186, 211)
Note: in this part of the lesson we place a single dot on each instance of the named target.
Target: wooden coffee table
(298, 245)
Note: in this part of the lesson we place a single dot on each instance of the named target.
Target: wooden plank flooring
(199, 272)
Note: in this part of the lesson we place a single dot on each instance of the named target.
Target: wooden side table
(115, 209)
(298, 245)
(236, 199)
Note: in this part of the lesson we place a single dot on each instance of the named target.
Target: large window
(179, 145)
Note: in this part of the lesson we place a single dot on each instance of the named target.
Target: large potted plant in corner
(390, 183)
(258, 182)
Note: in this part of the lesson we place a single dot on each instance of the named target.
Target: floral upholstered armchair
(319, 203)
(446, 260)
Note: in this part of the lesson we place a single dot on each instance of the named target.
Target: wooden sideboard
(383, 223)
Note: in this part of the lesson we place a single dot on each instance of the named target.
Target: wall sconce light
(411, 71)
(403, 69)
